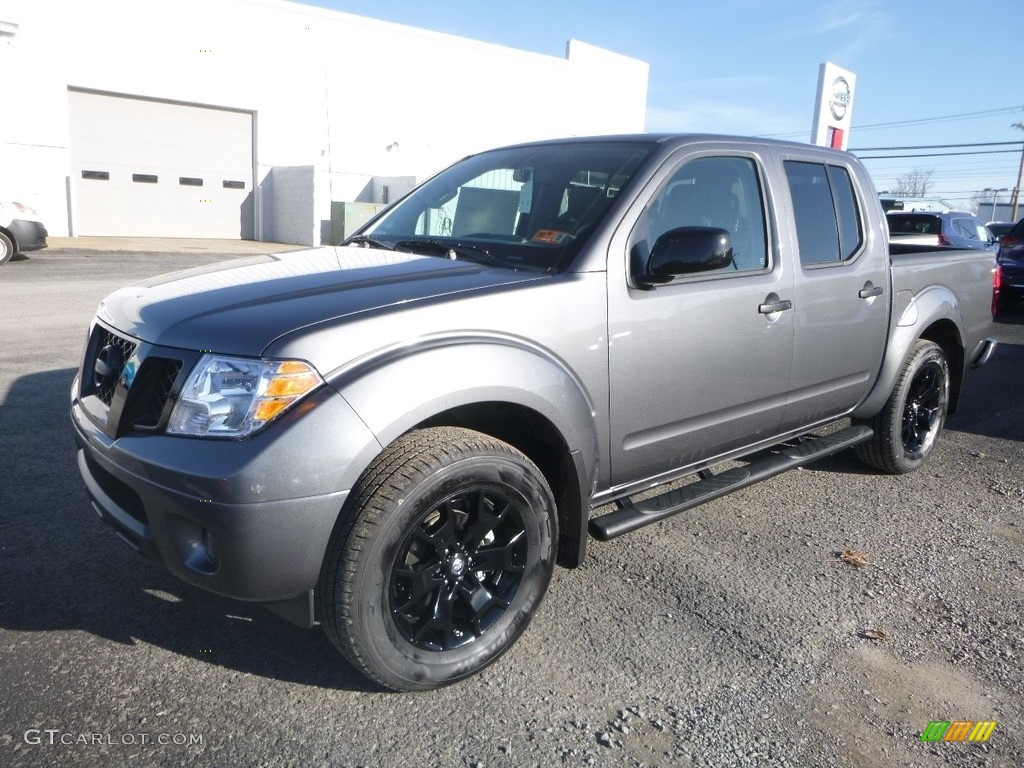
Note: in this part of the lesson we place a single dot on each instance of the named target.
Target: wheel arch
(515, 393)
(537, 437)
(946, 334)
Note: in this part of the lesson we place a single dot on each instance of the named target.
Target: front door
(698, 366)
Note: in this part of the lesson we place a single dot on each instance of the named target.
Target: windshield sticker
(526, 196)
(551, 236)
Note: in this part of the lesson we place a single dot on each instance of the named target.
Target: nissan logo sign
(840, 101)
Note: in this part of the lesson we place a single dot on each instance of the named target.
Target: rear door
(841, 292)
(695, 369)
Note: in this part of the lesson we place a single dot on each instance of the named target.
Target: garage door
(146, 168)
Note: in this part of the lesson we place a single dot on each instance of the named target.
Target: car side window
(717, 191)
(828, 221)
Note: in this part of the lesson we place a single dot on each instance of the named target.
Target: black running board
(632, 515)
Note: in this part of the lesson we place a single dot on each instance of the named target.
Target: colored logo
(958, 730)
(840, 98)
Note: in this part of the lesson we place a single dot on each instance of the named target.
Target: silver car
(956, 229)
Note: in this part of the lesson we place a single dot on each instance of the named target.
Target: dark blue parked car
(1011, 267)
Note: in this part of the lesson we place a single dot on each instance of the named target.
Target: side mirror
(687, 251)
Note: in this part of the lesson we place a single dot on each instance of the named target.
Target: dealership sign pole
(833, 107)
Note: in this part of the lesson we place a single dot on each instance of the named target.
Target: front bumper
(247, 519)
(28, 235)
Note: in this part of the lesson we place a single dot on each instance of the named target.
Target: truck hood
(240, 307)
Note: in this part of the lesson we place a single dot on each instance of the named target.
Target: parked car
(999, 228)
(401, 438)
(1010, 263)
(957, 229)
(21, 229)
(910, 204)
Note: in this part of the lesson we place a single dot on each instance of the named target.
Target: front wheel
(447, 553)
(908, 426)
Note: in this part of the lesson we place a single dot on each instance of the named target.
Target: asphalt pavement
(733, 635)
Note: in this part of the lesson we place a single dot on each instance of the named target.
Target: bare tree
(979, 199)
(915, 183)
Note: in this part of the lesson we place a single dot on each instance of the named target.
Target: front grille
(150, 391)
(127, 385)
(111, 354)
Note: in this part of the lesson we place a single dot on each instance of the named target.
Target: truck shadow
(63, 569)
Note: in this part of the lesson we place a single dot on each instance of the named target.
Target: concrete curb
(166, 245)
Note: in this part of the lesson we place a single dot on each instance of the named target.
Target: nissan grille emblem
(107, 368)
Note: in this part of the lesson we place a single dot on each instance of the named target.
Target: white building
(259, 119)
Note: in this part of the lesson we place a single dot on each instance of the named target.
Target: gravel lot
(729, 636)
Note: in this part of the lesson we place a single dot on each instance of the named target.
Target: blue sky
(748, 67)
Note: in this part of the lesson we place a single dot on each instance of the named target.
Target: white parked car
(21, 229)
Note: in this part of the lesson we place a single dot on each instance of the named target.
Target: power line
(918, 121)
(937, 146)
(942, 154)
(940, 119)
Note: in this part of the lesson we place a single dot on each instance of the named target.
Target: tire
(441, 559)
(6, 248)
(909, 425)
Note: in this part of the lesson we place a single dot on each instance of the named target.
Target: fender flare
(397, 388)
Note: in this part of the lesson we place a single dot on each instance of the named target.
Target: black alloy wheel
(439, 560)
(924, 409)
(909, 424)
(459, 569)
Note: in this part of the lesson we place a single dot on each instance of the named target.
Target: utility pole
(1015, 198)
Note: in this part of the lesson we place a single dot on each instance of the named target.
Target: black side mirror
(687, 251)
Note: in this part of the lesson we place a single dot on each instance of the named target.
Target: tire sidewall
(395, 660)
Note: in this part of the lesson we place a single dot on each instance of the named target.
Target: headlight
(237, 396)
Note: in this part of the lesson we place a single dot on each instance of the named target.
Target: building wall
(1001, 211)
(347, 97)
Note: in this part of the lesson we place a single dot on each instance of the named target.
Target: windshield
(528, 207)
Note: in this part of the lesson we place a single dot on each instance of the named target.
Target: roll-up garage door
(147, 168)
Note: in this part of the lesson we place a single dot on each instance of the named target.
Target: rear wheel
(448, 552)
(910, 423)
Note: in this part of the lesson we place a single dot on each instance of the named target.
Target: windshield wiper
(449, 250)
(369, 240)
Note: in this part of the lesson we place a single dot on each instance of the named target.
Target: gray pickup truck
(401, 437)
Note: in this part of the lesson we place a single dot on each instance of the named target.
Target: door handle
(869, 290)
(775, 306)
